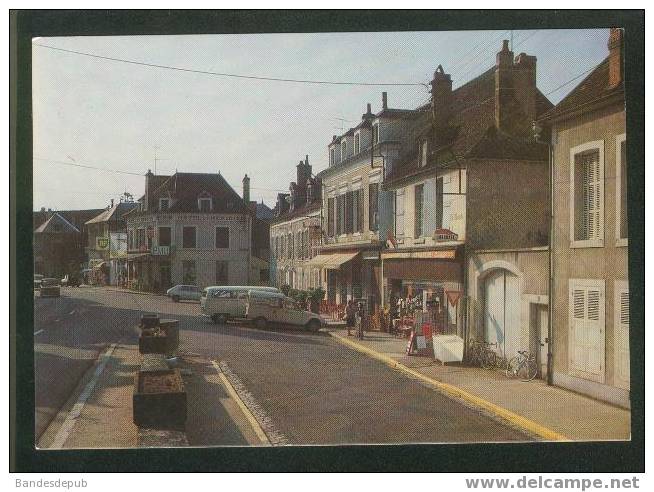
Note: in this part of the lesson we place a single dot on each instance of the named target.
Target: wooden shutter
(587, 330)
(361, 209)
(592, 195)
(621, 335)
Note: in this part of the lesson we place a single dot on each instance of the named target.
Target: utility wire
(571, 80)
(222, 74)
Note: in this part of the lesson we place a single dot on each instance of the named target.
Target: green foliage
(285, 289)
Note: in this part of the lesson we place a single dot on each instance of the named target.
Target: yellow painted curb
(256, 427)
(455, 391)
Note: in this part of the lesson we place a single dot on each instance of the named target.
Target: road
(312, 389)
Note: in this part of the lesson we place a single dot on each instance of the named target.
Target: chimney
(246, 189)
(524, 87)
(503, 86)
(616, 65)
(384, 100)
(441, 98)
(148, 184)
(112, 203)
(282, 203)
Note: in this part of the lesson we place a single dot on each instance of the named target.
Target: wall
(507, 204)
(608, 262)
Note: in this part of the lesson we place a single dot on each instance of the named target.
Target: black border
(548, 457)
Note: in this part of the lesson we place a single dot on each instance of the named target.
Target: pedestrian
(350, 316)
(360, 315)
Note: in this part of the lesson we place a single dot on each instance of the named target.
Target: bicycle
(480, 354)
(523, 366)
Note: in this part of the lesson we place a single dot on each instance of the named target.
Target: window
(222, 237)
(423, 153)
(222, 272)
(332, 156)
(204, 204)
(349, 212)
(399, 213)
(375, 133)
(587, 337)
(164, 204)
(330, 217)
(621, 226)
(439, 203)
(373, 206)
(360, 209)
(343, 150)
(289, 245)
(307, 252)
(587, 195)
(188, 237)
(357, 143)
(188, 272)
(140, 239)
(299, 247)
(340, 222)
(418, 215)
(164, 236)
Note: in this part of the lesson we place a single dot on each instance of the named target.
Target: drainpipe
(550, 287)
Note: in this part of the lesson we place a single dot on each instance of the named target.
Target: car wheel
(261, 323)
(175, 298)
(313, 325)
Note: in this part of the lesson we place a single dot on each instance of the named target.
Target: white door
(587, 329)
(621, 334)
(502, 311)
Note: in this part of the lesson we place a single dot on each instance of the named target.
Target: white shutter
(592, 195)
(587, 329)
(621, 335)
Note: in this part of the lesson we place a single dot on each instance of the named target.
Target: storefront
(424, 288)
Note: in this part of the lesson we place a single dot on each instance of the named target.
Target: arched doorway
(502, 311)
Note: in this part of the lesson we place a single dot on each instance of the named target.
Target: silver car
(184, 293)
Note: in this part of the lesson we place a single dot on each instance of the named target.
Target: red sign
(453, 296)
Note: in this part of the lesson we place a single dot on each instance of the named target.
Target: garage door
(502, 311)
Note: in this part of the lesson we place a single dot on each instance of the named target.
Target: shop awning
(137, 256)
(331, 261)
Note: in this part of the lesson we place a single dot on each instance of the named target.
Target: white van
(275, 308)
(221, 303)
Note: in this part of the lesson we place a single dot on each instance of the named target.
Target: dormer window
(164, 203)
(343, 149)
(375, 133)
(357, 143)
(332, 156)
(423, 153)
(204, 204)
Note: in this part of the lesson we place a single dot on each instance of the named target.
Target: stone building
(57, 247)
(590, 284)
(295, 232)
(193, 228)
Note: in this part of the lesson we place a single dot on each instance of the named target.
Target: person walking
(361, 312)
(350, 316)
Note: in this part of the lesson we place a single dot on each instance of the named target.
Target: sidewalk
(114, 288)
(568, 414)
(99, 412)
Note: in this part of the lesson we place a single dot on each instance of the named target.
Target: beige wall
(608, 262)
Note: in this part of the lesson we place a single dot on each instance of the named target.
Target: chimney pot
(384, 100)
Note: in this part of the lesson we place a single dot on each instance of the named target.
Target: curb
(451, 390)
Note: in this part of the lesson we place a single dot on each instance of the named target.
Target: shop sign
(118, 245)
(427, 255)
(445, 235)
(160, 250)
(102, 243)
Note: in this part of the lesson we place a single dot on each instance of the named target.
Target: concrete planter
(153, 341)
(159, 399)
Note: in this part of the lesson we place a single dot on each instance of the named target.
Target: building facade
(295, 232)
(590, 240)
(191, 228)
(57, 247)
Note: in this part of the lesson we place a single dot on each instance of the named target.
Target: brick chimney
(246, 189)
(503, 86)
(616, 53)
(441, 98)
(524, 84)
(384, 100)
(148, 185)
(368, 114)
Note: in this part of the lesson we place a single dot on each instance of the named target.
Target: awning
(137, 256)
(331, 261)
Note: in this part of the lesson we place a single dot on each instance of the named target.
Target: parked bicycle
(522, 366)
(482, 354)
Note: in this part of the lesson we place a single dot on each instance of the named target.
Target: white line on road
(37, 332)
(67, 427)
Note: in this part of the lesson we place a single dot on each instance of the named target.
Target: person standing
(350, 316)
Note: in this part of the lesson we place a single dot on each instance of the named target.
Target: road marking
(37, 332)
(258, 430)
(513, 418)
(68, 425)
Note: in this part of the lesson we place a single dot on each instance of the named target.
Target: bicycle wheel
(530, 369)
(489, 359)
(512, 367)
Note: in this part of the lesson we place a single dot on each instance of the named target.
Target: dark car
(70, 280)
(50, 287)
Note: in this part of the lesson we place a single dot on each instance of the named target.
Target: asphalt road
(312, 389)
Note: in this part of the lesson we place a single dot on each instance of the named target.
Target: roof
(57, 224)
(264, 212)
(298, 212)
(592, 90)
(113, 213)
(470, 133)
(186, 188)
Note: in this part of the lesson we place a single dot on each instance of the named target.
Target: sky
(117, 117)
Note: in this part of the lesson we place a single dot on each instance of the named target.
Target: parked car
(222, 303)
(265, 308)
(50, 287)
(70, 281)
(184, 293)
(37, 281)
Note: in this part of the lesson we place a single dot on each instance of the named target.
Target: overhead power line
(231, 75)
(571, 80)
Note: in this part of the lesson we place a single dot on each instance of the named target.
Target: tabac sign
(101, 243)
(160, 250)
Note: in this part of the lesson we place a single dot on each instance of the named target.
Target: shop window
(373, 206)
(222, 272)
(189, 239)
(587, 194)
(188, 272)
(222, 237)
(164, 236)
